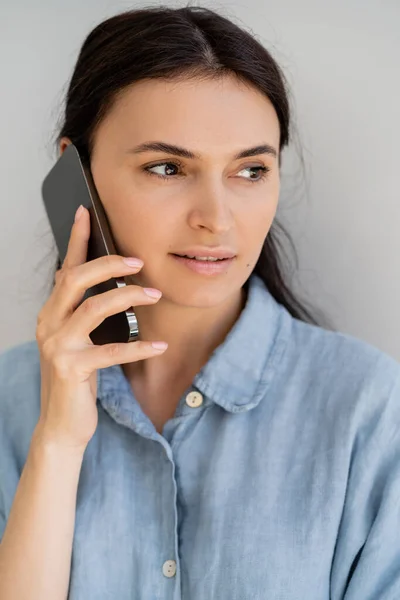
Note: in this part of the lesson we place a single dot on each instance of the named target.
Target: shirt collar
(240, 370)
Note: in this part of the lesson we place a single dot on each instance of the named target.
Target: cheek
(257, 223)
(128, 229)
(139, 221)
(138, 233)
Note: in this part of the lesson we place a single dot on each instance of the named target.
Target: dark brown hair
(173, 43)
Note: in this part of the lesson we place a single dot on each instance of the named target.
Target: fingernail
(78, 213)
(159, 345)
(152, 292)
(133, 262)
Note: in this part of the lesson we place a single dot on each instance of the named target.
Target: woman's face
(213, 200)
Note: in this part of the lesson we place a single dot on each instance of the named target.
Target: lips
(205, 267)
(207, 252)
(201, 259)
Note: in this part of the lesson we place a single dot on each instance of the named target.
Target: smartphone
(67, 185)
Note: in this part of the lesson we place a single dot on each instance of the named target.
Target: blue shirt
(277, 478)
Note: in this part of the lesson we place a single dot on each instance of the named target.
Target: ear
(64, 142)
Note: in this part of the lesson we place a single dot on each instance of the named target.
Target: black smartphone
(67, 185)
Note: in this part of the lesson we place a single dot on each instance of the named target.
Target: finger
(99, 357)
(73, 283)
(78, 241)
(95, 309)
(57, 276)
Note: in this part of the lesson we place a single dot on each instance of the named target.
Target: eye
(158, 165)
(262, 169)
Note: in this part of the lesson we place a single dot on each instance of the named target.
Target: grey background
(342, 62)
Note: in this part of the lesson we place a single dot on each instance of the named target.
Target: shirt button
(194, 399)
(169, 568)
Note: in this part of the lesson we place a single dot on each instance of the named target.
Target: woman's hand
(68, 358)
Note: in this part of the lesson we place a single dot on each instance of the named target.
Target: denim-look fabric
(282, 484)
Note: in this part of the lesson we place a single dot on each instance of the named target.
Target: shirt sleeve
(3, 477)
(19, 412)
(366, 563)
(2, 519)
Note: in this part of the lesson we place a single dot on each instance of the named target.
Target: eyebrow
(185, 153)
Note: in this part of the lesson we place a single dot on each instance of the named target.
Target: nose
(212, 209)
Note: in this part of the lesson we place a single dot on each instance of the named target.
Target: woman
(258, 456)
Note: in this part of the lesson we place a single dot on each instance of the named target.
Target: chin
(201, 293)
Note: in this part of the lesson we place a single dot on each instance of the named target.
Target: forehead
(196, 113)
